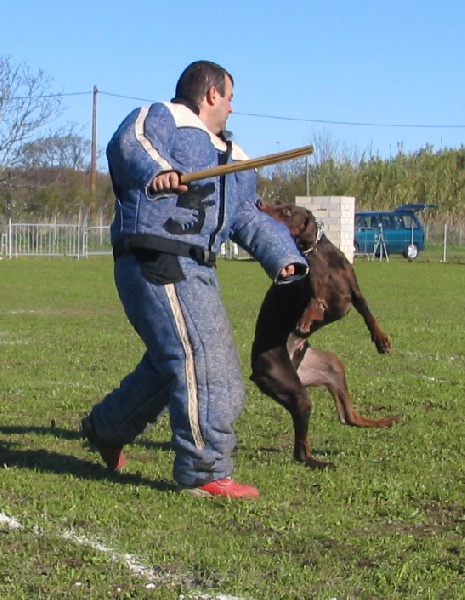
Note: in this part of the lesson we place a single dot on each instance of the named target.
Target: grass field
(388, 523)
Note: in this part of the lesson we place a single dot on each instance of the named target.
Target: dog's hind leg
(276, 376)
(323, 369)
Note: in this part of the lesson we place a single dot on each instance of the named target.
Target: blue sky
(347, 72)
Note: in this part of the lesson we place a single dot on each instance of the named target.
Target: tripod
(380, 245)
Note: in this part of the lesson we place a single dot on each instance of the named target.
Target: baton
(247, 165)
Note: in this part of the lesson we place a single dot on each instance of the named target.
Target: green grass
(389, 522)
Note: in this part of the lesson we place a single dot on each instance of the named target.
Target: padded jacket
(168, 136)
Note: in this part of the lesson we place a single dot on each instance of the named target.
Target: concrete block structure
(337, 215)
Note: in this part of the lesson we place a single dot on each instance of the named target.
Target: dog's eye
(287, 212)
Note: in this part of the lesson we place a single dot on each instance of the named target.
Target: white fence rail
(53, 239)
(96, 240)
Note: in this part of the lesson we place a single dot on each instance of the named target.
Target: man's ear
(211, 95)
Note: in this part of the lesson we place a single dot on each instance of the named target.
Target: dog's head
(302, 224)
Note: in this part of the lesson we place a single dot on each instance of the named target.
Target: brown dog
(283, 364)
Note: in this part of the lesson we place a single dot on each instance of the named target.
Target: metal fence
(53, 239)
(96, 240)
(445, 241)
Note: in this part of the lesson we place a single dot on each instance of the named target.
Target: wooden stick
(247, 165)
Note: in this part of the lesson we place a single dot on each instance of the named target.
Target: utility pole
(307, 177)
(93, 160)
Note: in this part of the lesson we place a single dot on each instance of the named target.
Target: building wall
(337, 215)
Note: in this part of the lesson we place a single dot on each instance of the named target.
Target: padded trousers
(190, 364)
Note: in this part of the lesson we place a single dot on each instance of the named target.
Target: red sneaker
(223, 487)
(112, 456)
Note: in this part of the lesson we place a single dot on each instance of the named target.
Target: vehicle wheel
(411, 252)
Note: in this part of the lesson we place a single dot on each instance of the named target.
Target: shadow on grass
(70, 434)
(46, 461)
(63, 434)
(315, 451)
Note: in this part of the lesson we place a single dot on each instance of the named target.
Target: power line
(126, 97)
(274, 117)
(328, 122)
(324, 121)
(50, 95)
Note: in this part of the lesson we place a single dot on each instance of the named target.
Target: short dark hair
(198, 78)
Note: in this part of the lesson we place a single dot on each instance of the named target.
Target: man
(165, 236)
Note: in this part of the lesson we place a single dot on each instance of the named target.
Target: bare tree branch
(26, 106)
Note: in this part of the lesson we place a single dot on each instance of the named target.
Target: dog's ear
(308, 238)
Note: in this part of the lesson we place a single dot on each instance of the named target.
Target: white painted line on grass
(208, 597)
(433, 379)
(10, 522)
(128, 559)
(133, 563)
(434, 356)
(18, 311)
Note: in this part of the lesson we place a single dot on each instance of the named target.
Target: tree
(64, 149)
(26, 107)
